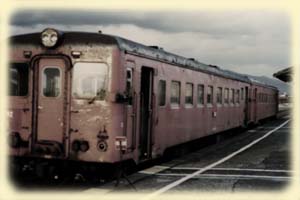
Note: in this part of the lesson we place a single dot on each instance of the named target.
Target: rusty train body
(91, 97)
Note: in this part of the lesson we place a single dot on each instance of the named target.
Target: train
(95, 99)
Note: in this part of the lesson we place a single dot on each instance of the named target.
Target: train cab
(62, 96)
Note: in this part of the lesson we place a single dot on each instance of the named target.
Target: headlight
(102, 146)
(49, 37)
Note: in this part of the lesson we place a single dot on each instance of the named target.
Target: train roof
(152, 52)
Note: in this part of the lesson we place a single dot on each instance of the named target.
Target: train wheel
(15, 170)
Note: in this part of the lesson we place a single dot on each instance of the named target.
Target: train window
(175, 93)
(18, 83)
(129, 89)
(210, 94)
(219, 95)
(51, 82)
(162, 92)
(189, 93)
(128, 80)
(238, 96)
(226, 99)
(232, 96)
(200, 96)
(242, 94)
(266, 98)
(259, 97)
(90, 80)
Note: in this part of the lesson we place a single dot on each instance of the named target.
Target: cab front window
(90, 81)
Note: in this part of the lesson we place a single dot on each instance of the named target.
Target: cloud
(254, 42)
(241, 22)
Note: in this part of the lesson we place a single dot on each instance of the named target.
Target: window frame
(60, 79)
(187, 104)
(232, 96)
(226, 96)
(242, 94)
(238, 96)
(219, 98)
(175, 105)
(212, 95)
(200, 104)
(28, 80)
(87, 62)
(165, 96)
(129, 80)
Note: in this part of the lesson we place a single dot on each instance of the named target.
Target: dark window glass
(128, 80)
(18, 80)
(219, 95)
(226, 100)
(51, 82)
(162, 92)
(242, 93)
(237, 96)
(175, 93)
(232, 96)
(266, 98)
(259, 97)
(129, 88)
(200, 94)
(189, 93)
(210, 94)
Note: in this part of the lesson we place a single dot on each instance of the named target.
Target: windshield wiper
(100, 95)
(92, 99)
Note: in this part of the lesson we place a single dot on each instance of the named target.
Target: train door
(50, 85)
(146, 91)
(130, 107)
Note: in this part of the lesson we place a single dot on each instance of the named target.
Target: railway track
(256, 159)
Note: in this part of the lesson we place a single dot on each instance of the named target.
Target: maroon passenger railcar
(91, 97)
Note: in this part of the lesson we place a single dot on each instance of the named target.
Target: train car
(265, 101)
(94, 98)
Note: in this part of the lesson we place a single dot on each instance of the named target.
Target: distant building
(286, 76)
(284, 98)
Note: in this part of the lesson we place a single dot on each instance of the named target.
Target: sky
(250, 42)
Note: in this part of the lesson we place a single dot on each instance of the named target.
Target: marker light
(75, 145)
(49, 37)
(84, 146)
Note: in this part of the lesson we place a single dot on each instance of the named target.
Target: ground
(263, 166)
